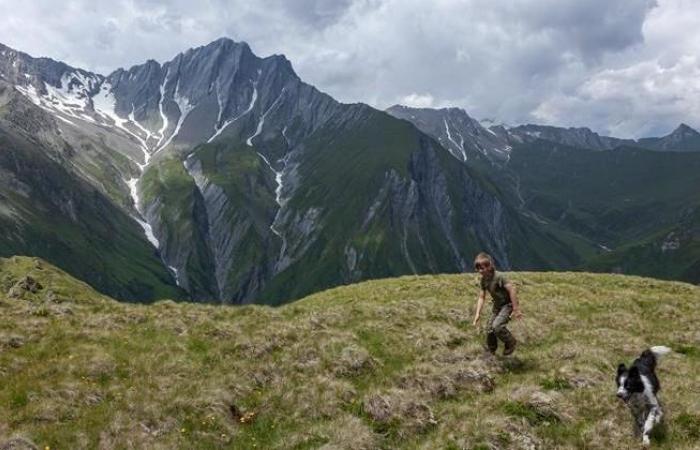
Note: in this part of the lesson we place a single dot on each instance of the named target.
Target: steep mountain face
(249, 184)
(300, 192)
(462, 135)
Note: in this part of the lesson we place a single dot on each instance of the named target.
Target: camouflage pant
(496, 328)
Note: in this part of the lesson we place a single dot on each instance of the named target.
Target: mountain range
(636, 200)
(220, 176)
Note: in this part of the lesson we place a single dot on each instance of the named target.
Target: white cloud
(418, 100)
(645, 91)
(644, 99)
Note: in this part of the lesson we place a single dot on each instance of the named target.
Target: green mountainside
(671, 253)
(615, 195)
(372, 198)
(642, 206)
(391, 363)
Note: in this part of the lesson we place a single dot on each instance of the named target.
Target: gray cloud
(618, 66)
(590, 28)
(315, 13)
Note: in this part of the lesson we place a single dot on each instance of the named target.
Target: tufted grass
(391, 363)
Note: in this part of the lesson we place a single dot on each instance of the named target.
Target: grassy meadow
(392, 363)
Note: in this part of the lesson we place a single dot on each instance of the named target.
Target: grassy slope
(389, 363)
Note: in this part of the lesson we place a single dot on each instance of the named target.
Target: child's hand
(476, 320)
(517, 314)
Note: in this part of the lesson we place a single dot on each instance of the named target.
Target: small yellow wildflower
(247, 417)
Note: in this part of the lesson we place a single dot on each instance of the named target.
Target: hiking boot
(491, 343)
(509, 347)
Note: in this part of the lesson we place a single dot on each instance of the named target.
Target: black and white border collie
(638, 386)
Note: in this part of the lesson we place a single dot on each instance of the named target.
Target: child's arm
(514, 299)
(479, 305)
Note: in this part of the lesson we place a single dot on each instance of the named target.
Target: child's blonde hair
(484, 260)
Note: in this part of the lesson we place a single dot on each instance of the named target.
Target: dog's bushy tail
(652, 354)
(660, 350)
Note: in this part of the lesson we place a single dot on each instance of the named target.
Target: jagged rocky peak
(684, 131)
(160, 95)
(57, 87)
(152, 99)
(137, 85)
(220, 65)
(193, 97)
(438, 121)
(462, 135)
(44, 76)
(682, 139)
(10, 59)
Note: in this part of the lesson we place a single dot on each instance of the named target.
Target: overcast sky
(626, 68)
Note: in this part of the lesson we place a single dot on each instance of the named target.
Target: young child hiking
(505, 304)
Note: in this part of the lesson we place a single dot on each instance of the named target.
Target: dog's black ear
(621, 369)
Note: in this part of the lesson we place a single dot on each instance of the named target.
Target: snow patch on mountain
(163, 117)
(70, 98)
(261, 122)
(253, 99)
(176, 274)
(104, 104)
(460, 146)
(185, 107)
(148, 230)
